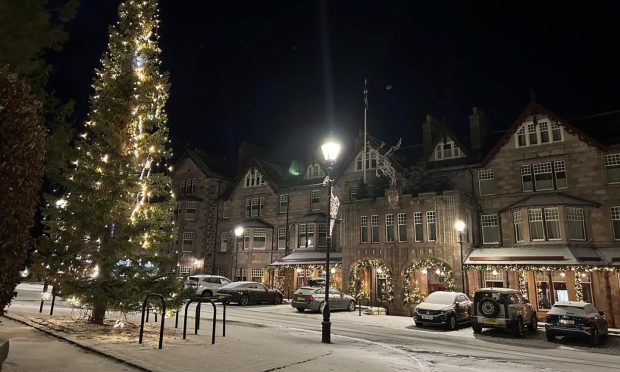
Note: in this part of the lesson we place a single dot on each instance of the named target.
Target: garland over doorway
(413, 295)
(375, 264)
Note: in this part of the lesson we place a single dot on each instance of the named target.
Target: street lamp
(460, 227)
(238, 233)
(330, 149)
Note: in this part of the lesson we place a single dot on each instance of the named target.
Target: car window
(224, 281)
(252, 286)
(334, 291)
(590, 309)
(492, 295)
(567, 310)
(305, 291)
(461, 298)
(261, 287)
(320, 291)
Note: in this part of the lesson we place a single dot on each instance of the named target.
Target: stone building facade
(540, 203)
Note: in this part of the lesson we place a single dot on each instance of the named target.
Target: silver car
(313, 298)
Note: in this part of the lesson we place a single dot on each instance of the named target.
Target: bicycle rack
(163, 318)
(199, 301)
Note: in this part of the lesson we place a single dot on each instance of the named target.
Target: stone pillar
(570, 285)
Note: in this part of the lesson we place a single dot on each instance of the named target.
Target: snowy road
(425, 349)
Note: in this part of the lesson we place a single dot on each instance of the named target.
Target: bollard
(359, 305)
(288, 292)
(176, 321)
(53, 301)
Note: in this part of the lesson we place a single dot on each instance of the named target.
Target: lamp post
(238, 233)
(460, 227)
(378, 272)
(330, 152)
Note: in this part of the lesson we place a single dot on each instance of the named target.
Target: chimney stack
(477, 129)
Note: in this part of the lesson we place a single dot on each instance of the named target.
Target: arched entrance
(424, 277)
(372, 278)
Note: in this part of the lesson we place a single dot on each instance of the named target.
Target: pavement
(246, 347)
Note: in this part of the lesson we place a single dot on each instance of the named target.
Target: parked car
(313, 298)
(244, 293)
(502, 308)
(576, 319)
(206, 285)
(443, 308)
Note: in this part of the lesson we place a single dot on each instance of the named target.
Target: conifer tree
(109, 233)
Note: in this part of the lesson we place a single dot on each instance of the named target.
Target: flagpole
(364, 159)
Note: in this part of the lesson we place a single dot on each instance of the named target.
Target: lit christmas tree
(109, 233)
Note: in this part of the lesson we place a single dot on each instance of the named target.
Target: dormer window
(314, 171)
(253, 178)
(371, 161)
(447, 150)
(539, 133)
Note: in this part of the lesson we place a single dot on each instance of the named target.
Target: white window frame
(552, 215)
(402, 226)
(371, 160)
(310, 235)
(257, 273)
(486, 175)
(374, 223)
(518, 224)
(184, 269)
(315, 200)
(226, 209)
(431, 225)
(615, 222)
(417, 221)
(281, 234)
(190, 206)
(531, 131)
(535, 216)
(543, 169)
(301, 231)
(611, 161)
(526, 172)
(283, 203)
(259, 233)
(253, 178)
(447, 150)
(188, 236)
(188, 186)
(559, 166)
(576, 215)
(490, 221)
(389, 225)
(364, 228)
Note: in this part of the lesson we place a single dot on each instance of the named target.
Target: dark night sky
(255, 70)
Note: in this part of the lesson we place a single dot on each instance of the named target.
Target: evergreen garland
(578, 287)
(371, 263)
(415, 295)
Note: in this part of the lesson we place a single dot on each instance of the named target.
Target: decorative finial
(532, 95)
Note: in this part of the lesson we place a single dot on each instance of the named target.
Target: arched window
(253, 178)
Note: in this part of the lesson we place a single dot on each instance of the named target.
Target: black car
(443, 308)
(575, 319)
(245, 293)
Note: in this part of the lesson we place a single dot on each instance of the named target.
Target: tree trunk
(98, 313)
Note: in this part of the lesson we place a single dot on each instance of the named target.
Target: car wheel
(244, 300)
(477, 328)
(533, 326)
(300, 309)
(351, 306)
(594, 337)
(517, 329)
(550, 336)
(207, 293)
(451, 323)
(417, 324)
(321, 307)
(488, 307)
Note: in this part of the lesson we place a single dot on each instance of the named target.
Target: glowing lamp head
(330, 149)
(238, 231)
(459, 226)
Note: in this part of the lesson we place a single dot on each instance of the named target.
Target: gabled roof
(274, 175)
(555, 198)
(443, 132)
(210, 165)
(534, 108)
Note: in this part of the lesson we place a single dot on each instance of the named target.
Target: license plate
(490, 320)
(567, 321)
(300, 299)
(427, 317)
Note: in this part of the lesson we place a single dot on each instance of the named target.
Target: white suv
(206, 285)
